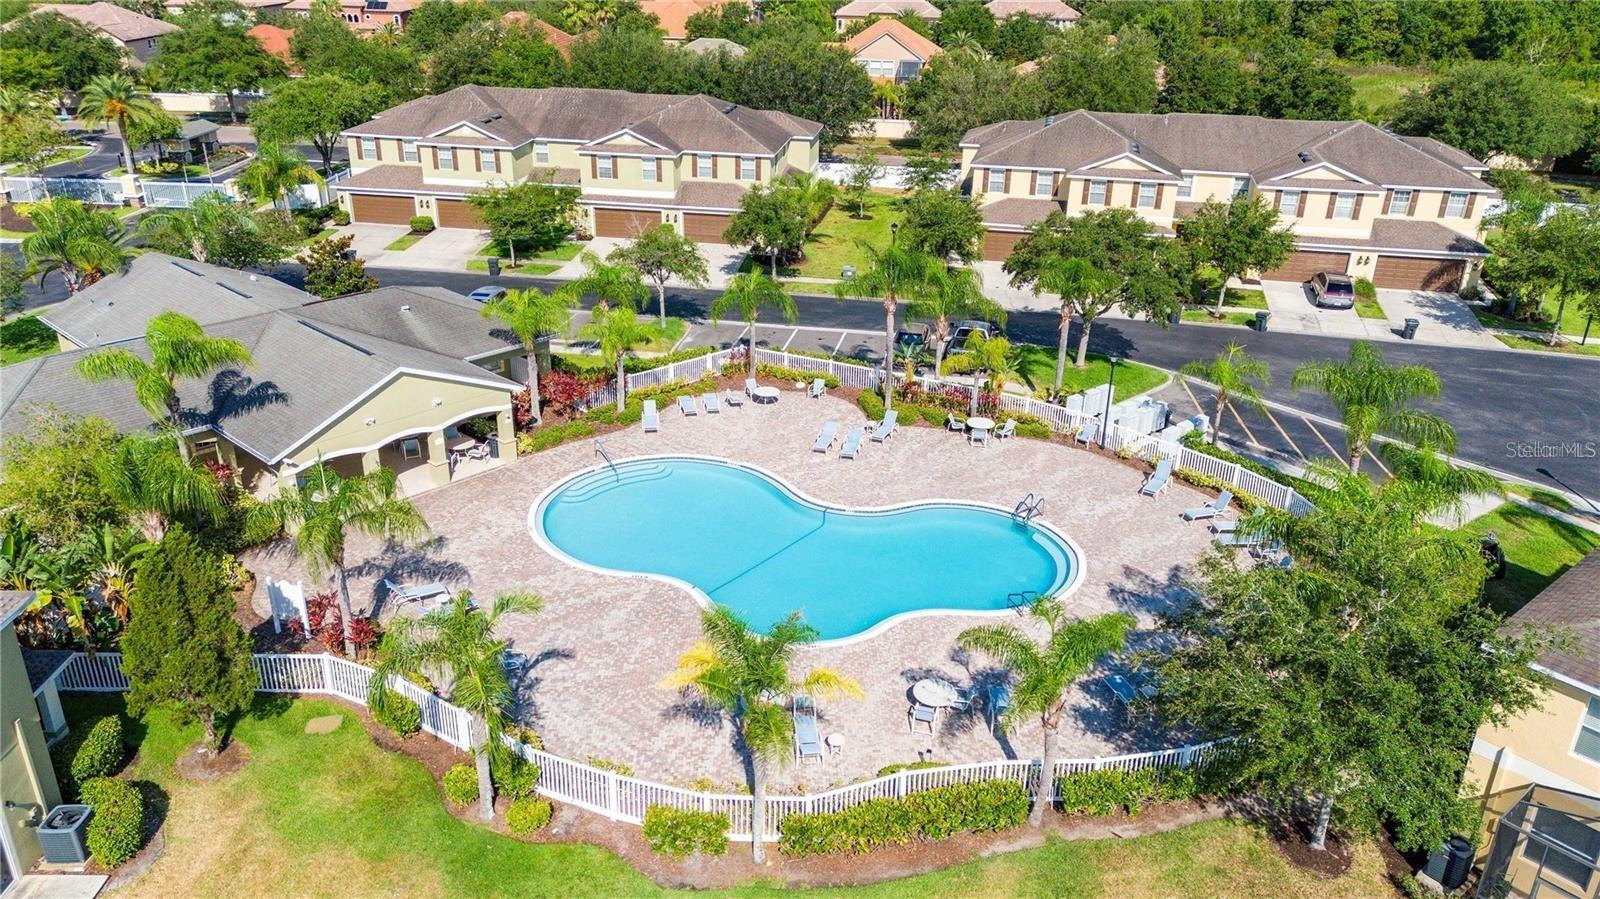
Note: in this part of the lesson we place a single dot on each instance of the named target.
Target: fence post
(1186, 756)
(900, 785)
(613, 796)
(327, 674)
(1097, 764)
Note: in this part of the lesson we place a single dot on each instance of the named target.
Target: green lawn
(562, 253)
(67, 155)
(374, 824)
(1573, 320)
(1592, 348)
(664, 336)
(1539, 495)
(404, 241)
(1204, 316)
(526, 268)
(324, 234)
(1369, 309)
(1037, 365)
(833, 245)
(24, 338)
(583, 362)
(1245, 298)
(1538, 549)
(1379, 87)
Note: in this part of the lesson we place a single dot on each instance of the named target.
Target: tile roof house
(1057, 13)
(136, 33)
(674, 14)
(274, 40)
(891, 51)
(1402, 212)
(364, 16)
(639, 159)
(856, 10)
(559, 39)
(376, 378)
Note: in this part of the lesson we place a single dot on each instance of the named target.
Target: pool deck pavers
(603, 644)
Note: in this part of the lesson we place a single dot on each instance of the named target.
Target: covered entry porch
(426, 459)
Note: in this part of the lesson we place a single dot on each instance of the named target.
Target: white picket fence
(93, 191)
(620, 797)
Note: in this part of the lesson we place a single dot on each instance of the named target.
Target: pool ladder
(1027, 508)
(1019, 602)
(600, 448)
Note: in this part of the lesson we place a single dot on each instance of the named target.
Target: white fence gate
(94, 191)
(179, 194)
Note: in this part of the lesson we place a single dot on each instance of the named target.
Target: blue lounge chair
(818, 388)
(709, 400)
(806, 741)
(998, 701)
(1123, 691)
(886, 427)
(1008, 429)
(686, 405)
(923, 713)
(733, 399)
(1215, 508)
(421, 593)
(651, 418)
(1159, 480)
(852, 443)
(830, 430)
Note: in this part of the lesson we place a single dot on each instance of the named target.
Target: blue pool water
(750, 544)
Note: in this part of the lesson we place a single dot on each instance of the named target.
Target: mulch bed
(197, 764)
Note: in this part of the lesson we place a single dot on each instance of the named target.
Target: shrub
(896, 768)
(551, 436)
(399, 714)
(677, 833)
(461, 785)
(92, 749)
(1365, 289)
(527, 736)
(1247, 501)
(116, 830)
(796, 374)
(513, 775)
(931, 814)
(421, 224)
(603, 764)
(526, 815)
(340, 217)
(1108, 792)
(871, 404)
(635, 364)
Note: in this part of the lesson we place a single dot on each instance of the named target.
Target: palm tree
(323, 509)
(1073, 281)
(991, 355)
(748, 294)
(612, 283)
(1371, 397)
(179, 348)
(16, 104)
(891, 273)
(1045, 671)
(275, 173)
(616, 330)
(192, 228)
(888, 95)
(1235, 373)
(814, 194)
(965, 42)
(746, 675)
(116, 98)
(952, 293)
(1433, 482)
(81, 243)
(531, 315)
(458, 645)
(151, 476)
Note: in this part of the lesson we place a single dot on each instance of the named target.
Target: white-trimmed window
(487, 160)
(1043, 184)
(604, 167)
(647, 169)
(1289, 202)
(447, 159)
(1186, 187)
(1400, 202)
(1097, 193)
(704, 166)
(369, 148)
(1241, 186)
(408, 150)
(879, 68)
(541, 153)
(1588, 744)
(1456, 206)
(1344, 206)
(1147, 195)
(747, 168)
(997, 181)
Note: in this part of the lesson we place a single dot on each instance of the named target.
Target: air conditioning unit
(61, 834)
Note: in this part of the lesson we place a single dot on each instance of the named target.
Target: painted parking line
(840, 343)
(1318, 431)
(792, 334)
(1249, 434)
(1287, 439)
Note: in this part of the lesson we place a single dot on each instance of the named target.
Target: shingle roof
(42, 663)
(1266, 149)
(514, 116)
(123, 24)
(1571, 603)
(716, 195)
(194, 128)
(559, 39)
(860, 9)
(1018, 211)
(12, 604)
(897, 31)
(1405, 234)
(1053, 10)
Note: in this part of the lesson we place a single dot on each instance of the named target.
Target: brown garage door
(624, 222)
(1302, 265)
(379, 210)
(705, 227)
(997, 245)
(458, 214)
(1419, 274)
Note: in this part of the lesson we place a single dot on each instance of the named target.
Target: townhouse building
(638, 160)
(1404, 212)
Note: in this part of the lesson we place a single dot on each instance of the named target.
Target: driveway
(444, 249)
(722, 261)
(1443, 318)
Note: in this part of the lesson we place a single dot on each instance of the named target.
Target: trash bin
(1261, 320)
(1409, 332)
(61, 834)
(1175, 317)
(494, 266)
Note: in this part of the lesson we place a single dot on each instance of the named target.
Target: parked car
(1333, 290)
(913, 336)
(487, 293)
(965, 330)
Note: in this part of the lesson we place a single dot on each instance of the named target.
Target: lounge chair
(886, 427)
(1146, 683)
(1009, 429)
(709, 400)
(951, 423)
(919, 712)
(514, 661)
(1212, 510)
(750, 387)
(1123, 691)
(686, 405)
(1159, 480)
(1238, 538)
(416, 594)
(996, 704)
(818, 388)
(732, 399)
(852, 443)
(651, 418)
(830, 430)
(806, 741)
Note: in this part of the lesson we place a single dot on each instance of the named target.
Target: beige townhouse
(856, 11)
(638, 159)
(1404, 212)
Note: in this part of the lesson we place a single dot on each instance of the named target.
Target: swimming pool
(741, 538)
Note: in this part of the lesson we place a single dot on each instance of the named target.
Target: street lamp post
(1111, 392)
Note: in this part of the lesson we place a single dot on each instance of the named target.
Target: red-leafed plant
(364, 633)
(563, 391)
(319, 606)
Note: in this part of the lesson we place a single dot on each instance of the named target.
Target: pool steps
(607, 479)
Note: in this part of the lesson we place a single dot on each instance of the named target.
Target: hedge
(527, 814)
(784, 373)
(92, 749)
(928, 815)
(461, 784)
(636, 364)
(116, 828)
(513, 775)
(551, 436)
(1027, 425)
(399, 714)
(1109, 792)
(679, 833)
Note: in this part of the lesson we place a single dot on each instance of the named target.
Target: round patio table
(979, 423)
(765, 394)
(461, 444)
(933, 692)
